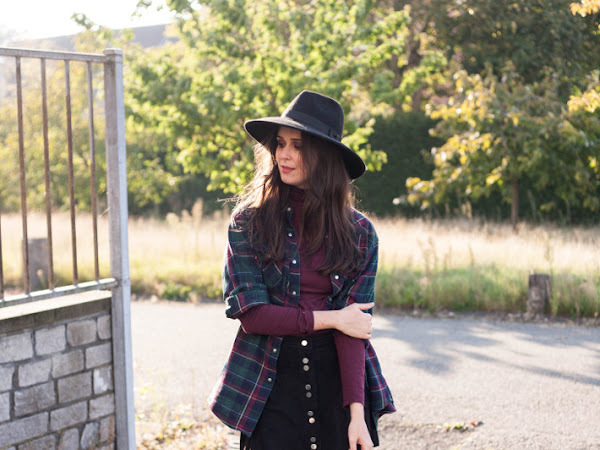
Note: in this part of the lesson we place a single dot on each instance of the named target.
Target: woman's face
(289, 157)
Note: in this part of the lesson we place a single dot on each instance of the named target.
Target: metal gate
(116, 184)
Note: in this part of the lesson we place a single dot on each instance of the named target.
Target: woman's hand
(353, 322)
(358, 433)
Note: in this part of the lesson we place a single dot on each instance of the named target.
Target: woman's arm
(277, 321)
(243, 284)
(350, 320)
(358, 433)
(351, 355)
(284, 321)
(353, 381)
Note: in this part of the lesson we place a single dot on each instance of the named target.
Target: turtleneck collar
(297, 195)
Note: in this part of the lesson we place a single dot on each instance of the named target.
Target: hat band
(313, 122)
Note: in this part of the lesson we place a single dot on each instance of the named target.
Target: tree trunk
(514, 214)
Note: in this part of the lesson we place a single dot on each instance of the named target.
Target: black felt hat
(316, 114)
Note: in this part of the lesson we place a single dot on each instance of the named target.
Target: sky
(35, 19)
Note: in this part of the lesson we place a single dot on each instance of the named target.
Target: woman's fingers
(365, 306)
(356, 323)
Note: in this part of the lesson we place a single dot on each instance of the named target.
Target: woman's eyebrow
(292, 139)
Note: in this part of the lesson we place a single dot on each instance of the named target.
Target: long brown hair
(326, 218)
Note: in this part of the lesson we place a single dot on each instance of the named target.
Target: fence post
(119, 253)
(37, 262)
(540, 294)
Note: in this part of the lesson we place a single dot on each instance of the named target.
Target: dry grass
(465, 243)
(468, 265)
(459, 265)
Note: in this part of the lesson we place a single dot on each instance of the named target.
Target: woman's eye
(280, 144)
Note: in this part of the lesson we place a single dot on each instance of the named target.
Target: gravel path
(457, 383)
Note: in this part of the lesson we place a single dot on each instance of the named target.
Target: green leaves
(243, 59)
(499, 130)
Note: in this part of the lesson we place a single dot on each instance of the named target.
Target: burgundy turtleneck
(315, 289)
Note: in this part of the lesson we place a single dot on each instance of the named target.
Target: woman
(299, 275)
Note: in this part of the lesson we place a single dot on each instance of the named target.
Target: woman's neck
(297, 195)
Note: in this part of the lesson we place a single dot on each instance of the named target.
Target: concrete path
(534, 386)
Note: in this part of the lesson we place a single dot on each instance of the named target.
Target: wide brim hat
(315, 114)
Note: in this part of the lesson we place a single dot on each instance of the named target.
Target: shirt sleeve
(351, 356)
(243, 285)
(363, 290)
(278, 320)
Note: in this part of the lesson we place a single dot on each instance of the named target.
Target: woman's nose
(284, 152)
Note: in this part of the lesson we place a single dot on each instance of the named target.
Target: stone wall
(56, 374)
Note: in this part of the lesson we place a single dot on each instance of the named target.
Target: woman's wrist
(325, 320)
(357, 411)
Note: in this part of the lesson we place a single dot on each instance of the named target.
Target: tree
(239, 59)
(535, 36)
(590, 99)
(57, 139)
(506, 121)
(500, 132)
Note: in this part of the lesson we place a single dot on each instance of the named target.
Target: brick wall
(56, 374)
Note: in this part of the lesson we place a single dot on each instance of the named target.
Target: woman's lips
(286, 169)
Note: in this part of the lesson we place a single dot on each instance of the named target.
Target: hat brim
(259, 129)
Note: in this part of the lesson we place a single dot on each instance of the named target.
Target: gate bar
(47, 176)
(93, 192)
(22, 176)
(70, 171)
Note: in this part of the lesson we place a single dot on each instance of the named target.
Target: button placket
(310, 402)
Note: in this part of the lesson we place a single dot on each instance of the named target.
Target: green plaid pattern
(248, 376)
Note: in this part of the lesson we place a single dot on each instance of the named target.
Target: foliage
(33, 139)
(522, 77)
(500, 131)
(535, 36)
(241, 59)
(404, 137)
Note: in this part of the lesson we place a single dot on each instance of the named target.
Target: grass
(459, 265)
(466, 265)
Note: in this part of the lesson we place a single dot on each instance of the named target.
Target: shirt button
(310, 413)
(269, 379)
(306, 368)
(305, 360)
(313, 446)
(274, 350)
(311, 420)
(313, 439)
(308, 387)
(293, 292)
(289, 208)
(308, 395)
(290, 234)
(293, 261)
(304, 343)
(337, 277)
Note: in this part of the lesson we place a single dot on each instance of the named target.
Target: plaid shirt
(246, 381)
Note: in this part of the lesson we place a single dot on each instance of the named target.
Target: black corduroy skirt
(305, 409)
